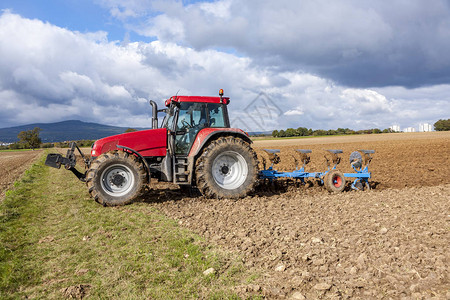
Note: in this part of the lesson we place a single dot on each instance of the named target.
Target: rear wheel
(334, 181)
(116, 178)
(227, 168)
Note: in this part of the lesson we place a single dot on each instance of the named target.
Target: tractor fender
(147, 167)
(207, 134)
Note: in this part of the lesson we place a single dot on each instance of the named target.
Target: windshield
(191, 115)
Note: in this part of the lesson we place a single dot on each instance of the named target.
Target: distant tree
(387, 130)
(341, 131)
(30, 138)
(85, 143)
(302, 131)
(319, 132)
(376, 130)
(275, 133)
(15, 146)
(442, 125)
(291, 132)
(47, 145)
(130, 130)
(62, 144)
(281, 133)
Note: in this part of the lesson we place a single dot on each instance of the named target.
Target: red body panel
(204, 133)
(151, 142)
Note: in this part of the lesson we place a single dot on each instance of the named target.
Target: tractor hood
(152, 142)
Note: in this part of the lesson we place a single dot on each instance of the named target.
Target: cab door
(191, 118)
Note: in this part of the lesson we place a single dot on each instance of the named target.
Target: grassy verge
(18, 150)
(55, 242)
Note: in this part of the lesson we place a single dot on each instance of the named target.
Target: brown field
(390, 242)
(12, 165)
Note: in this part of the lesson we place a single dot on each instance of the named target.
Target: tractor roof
(202, 99)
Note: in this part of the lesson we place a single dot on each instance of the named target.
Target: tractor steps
(181, 170)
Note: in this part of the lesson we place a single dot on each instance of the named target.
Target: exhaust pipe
(154, 114)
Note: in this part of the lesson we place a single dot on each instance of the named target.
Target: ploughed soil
(389, 242)
(12, 165)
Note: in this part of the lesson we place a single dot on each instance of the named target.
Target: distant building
(425, 127)
(395, 128)
(409, 129)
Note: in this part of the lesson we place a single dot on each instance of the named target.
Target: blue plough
(333, 179)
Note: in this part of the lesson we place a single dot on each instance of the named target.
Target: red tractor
(194, 146)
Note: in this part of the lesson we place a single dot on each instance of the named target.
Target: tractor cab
(187, 116)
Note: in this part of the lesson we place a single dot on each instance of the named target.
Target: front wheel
(227, 168)
(116, 178)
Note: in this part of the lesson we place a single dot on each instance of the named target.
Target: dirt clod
(81, 271)
(209, 271)
(78, 291)
(280, 268)
(47, 239)
(297, 296)
(322, 286)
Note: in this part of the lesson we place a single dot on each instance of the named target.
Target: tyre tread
(204, 181)
(119, 156)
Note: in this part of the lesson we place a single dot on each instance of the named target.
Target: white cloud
(294, 112)
(219, 9)
(356, 43)
(164, 28)
(50, 74)
(125, 9)
(366, 102)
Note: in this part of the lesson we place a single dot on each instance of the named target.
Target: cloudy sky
(285, 63)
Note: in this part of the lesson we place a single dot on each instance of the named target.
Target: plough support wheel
(334, 181)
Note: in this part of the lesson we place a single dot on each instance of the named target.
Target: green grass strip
(56, 242)
(17, 150)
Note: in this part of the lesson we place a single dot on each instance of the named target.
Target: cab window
(216, 118)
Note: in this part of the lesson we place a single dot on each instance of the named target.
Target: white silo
(425, 127)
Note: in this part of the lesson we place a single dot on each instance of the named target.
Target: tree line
(303, 131)
(441, 125)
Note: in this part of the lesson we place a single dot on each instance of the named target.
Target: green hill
(63, 131)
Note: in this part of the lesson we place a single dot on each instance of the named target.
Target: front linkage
(55, 160)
